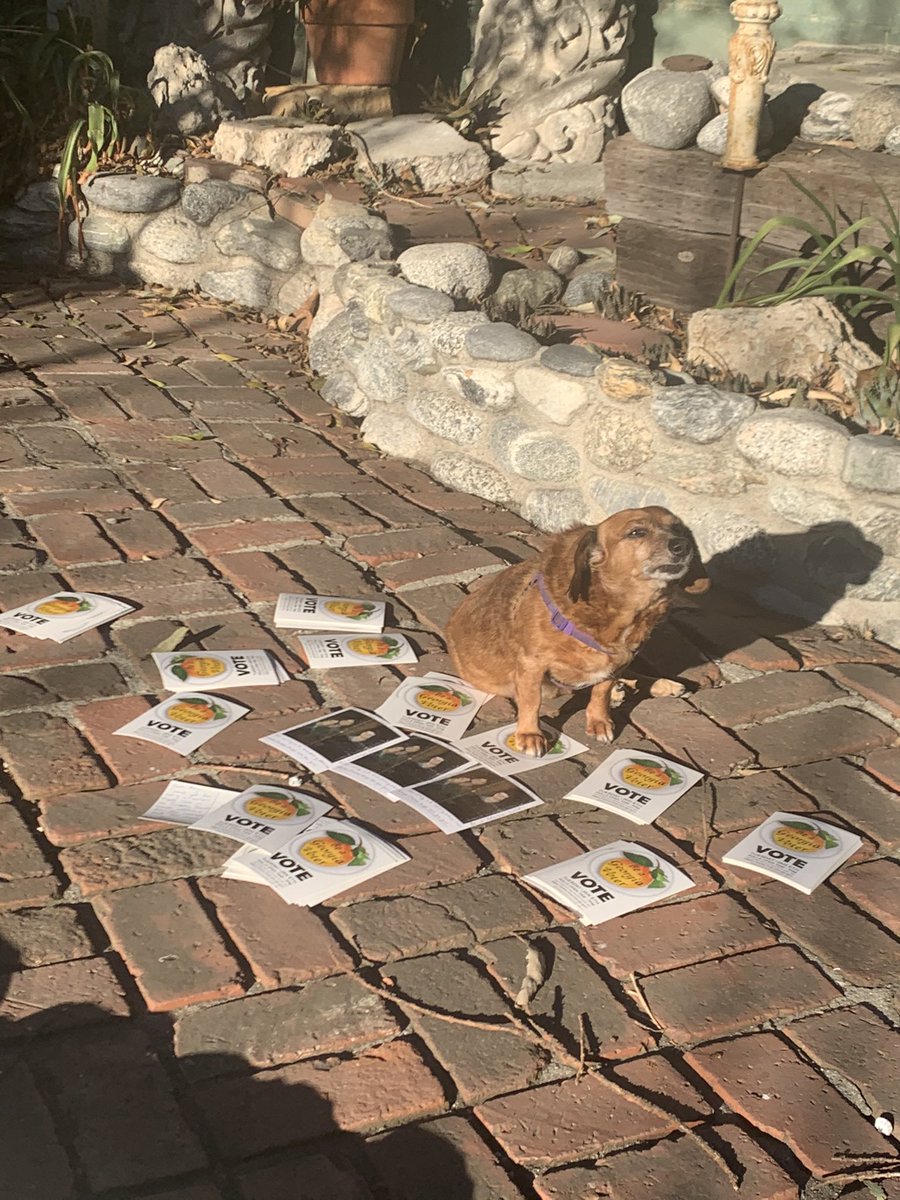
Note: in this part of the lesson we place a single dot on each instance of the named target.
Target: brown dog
(576, 616)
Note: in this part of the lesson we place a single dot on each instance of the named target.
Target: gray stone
(419, 304)
(881, 524)
(330, 342)
(468, 475)
(617, 440)
(400, 437)
(202, 202)
(341, 391)
(361, 278)
(699, 414)
(837, 557)
(275, 243)
(740, 545)
(415, 352)
(173, 238)
(481, 386)
(872, 463)
(536, 455)
(521, 292)
(377, 370)
(360, 325)
(500, 342)
(882, 584)
(132, 193)
(714, 134)
(26, 223)
(801, 339)
(165, 274)
(571, 182)
(295, 292)
(191, 97)
(96, 264)
(101, 233)
(39, 197)
(875, 114)
(705, 474)
(792, 442)
(590, 283)
(571, 360)
(247, 286)
(447, 416)
(420, 149)
(614, 494)
(448, 334)
(625, 380)
(558, 397)
(554, 509)
(667, 109)
(829, 118)
(277, 143)
(461, 270)
(341, 233)
(805, 506)
(892, 141)
(564, 260)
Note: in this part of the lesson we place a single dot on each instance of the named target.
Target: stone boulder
(667, 109)
(190, 97)
(280, 144)
(418, 148)
(341, 233)
(521, 292)
(829, 118)
(132, 193)
(461, 270)
(802, 339)
(714, 134)
(892, 141)
(876, 113)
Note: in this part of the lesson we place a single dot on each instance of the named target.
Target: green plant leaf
(179, 673)
(337, 836)
(831, 843)
(659, 879)
(640, 859)
(800, 825)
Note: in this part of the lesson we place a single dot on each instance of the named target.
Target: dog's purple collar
(561, 622)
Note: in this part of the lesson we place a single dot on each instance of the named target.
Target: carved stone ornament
(750, 53)
(555, 69)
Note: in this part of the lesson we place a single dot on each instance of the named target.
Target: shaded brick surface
(690, 736)
(840, 788)
(35, 1165)
(59, 996)
(811, 737)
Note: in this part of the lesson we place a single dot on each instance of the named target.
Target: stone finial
(750, 53)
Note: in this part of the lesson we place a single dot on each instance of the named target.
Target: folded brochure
(408, 763)
(438, 704)
(340, 613)
(182, 802)
(328, 650)
(346, 733)
(795, 848)
(615, 879)
(636, 784)
(218, 668)
(184, 723)
(63, 615)
(263, 815)
(497, 749)
(472, 796)
(327, 858)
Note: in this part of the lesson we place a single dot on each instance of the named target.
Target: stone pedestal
(335, 101)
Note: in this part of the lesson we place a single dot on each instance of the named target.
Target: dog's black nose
(679, 546)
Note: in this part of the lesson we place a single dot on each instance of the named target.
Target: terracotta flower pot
(357, 41)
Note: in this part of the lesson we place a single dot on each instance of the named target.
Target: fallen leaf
(227, 358)
(159, 503)
(189, 437)
(534, 977)
(172, 642)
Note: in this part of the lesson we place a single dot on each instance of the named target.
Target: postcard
(181, 672)
(410, 763)
(615, 879)
(63, 615)
(263, 815)
(795, 848)
(340, 613)
(182, 802)
(636, 784)
(438, 704)
(184, 723)
(320, 743)
(324, 651)
(473, 796)
(497, 749)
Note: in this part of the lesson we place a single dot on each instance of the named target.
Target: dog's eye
(636, 533)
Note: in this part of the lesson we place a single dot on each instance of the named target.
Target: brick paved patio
(170, 1034)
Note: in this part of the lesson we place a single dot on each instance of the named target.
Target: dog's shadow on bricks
(94, 1103)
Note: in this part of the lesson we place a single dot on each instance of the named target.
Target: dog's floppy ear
(588, 553)
(696, 581)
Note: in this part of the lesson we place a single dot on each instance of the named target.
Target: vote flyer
(441, 705)
(497, 749)
(797, 849)
(343, 614)
(182, 802)
(636, 784)
(611, 881)
(328, 650)
(263, 815)
(63, 615)
(219, 668)
(184, 723)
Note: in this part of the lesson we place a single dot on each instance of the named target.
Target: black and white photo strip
(470, 797)
(405, 764)
(324, 741)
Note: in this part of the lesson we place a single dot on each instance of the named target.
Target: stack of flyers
(355, 650)
(63, 615)
(441, 704)
(472, 796)
(409, 763)
(795, 849)
(265, 816)
(324, 741)
(329, 612)
(616, 879)
(327, 858)
(497, 749)
(183, 803)
(219, 668)
(184, 723)
(640, 786)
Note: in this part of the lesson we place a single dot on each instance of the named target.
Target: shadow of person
(94, 1104)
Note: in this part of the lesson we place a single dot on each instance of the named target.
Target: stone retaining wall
(785, 504)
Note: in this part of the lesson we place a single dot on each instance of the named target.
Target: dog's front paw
(601, 728)
(532, 744)
(667, 687)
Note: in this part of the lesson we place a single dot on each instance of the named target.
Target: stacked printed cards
(439, 704)
(182, 802)
(265, 816)
(339, 613)
(635, 784)
(184, 722)
(182, 672)
(497, 749)
(324, 741)
(328, 650)
(63, 615)
(796, 849)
